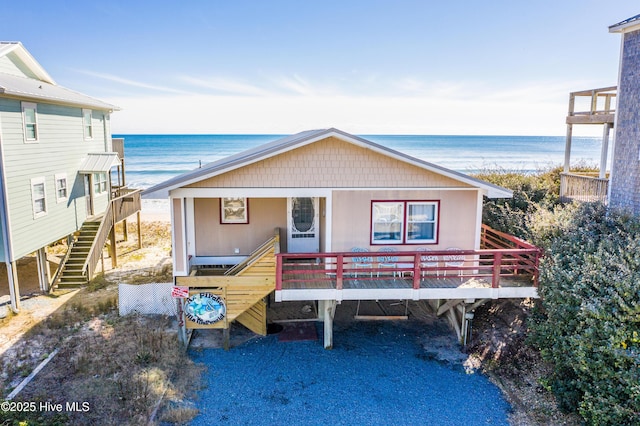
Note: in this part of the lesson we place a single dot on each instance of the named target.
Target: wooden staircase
(243, 288)
(73, 272)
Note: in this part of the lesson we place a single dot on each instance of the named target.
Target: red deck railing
(502, 255)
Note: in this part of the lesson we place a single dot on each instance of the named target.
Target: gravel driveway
(377, 374)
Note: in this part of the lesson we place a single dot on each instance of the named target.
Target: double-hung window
(99, 183)
(87, 123)
(422, 221)
(30, 121)
(38, 197)
(61, 187)
(404, 222)
(387, 222)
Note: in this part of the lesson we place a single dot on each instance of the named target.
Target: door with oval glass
(303, 224)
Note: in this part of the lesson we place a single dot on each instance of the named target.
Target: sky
(365, 67)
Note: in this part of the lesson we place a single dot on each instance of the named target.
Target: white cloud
(509, 115)
(225, 85)
(131, 83)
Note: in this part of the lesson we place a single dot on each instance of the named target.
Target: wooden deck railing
(506, 256)
(583, 187)
(601, 106)
(118, 209)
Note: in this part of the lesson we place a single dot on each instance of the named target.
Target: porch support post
(453, 320)
(339, 272)
(226, 337)
(605, 151)
(567, 148)
(139, 231)
(44, 273)
(14, 289)
(497, 263)
(114, 249)
(327, 311)
(125, 230)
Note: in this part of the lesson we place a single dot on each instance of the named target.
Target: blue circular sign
(205, 308)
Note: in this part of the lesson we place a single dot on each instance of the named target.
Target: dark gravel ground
(377, 374)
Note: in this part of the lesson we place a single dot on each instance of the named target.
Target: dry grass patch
(122, 367)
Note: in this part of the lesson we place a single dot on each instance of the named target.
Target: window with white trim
(30, 121)
(61, 187)
(99, 183)
(422, 220)
(38, 197)
(404, 222)
(387, 221)
(87, 123)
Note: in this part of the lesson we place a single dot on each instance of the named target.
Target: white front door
(303, 234)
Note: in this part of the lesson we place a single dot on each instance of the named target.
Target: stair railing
(118, 209)
(89, 266)
(62, 265)
(257, 253)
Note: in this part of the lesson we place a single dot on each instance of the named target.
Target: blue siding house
(56, 162)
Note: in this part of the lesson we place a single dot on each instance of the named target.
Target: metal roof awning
(99, 163)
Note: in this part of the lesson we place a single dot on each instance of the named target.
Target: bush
(530, 193)
(590, 320)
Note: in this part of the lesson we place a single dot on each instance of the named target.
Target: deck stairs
(73, 272)
(243, 287)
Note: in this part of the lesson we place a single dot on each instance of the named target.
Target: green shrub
(590, 321)
(530, 192)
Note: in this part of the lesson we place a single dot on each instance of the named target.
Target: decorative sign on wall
(234, 210)
(205, 308)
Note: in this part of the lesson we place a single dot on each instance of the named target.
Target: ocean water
(151, 159)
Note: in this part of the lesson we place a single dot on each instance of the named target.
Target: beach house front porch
(504, 267)
(454, 282)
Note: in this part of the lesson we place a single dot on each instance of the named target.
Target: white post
(567, 149)
(44, 272)
(327, 310)
(14, 289)
(605, 151)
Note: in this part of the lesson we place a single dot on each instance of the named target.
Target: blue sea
(151, 159)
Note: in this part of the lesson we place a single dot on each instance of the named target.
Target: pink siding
(215, 239)
(352, 217)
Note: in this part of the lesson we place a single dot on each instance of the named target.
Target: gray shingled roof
(300, 139)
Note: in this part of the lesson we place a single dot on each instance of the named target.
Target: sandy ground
(152, 259)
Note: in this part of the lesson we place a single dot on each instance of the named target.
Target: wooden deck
(505, 267)
(324, 285)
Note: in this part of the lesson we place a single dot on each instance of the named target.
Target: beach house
(61, 174)
(327, 216)
(625, 167)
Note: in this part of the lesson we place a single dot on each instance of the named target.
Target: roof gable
(299, 140)
(329, 163)
(21, 76)
(23, 63)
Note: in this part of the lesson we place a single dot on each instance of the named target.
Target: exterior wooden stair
(80, 265)
(73, 271)
(243, 288)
